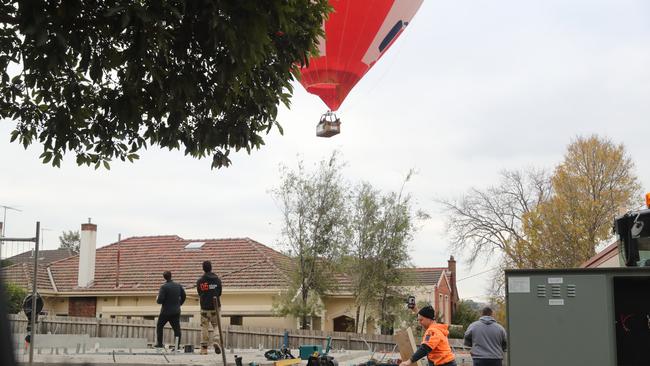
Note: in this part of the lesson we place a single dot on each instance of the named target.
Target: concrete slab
(106, 342)
(140, 357)
(55, 340)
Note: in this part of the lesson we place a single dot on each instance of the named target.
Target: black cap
(428, 312)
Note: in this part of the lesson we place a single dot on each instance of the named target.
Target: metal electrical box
(586, 316)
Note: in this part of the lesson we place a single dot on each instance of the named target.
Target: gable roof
(424, 276)
(240, 263)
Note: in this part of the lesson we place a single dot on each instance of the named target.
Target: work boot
(204, 350)
(217, 349)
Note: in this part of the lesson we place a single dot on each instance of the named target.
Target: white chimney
(87, 248)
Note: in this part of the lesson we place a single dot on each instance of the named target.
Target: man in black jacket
(171, 296)
(209, 289)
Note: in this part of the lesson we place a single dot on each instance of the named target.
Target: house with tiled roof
(121, 280)
(436, 286)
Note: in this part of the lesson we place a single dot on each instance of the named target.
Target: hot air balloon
(357, 34)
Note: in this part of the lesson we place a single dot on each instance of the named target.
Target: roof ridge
(266, 257)
(64, 259)
(153, 236)
(223, 239)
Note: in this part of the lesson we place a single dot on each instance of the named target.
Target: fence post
(347, 340)
(98, 326)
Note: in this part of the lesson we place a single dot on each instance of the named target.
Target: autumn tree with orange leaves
(533, 219)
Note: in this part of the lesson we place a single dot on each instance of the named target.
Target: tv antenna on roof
(4, 217)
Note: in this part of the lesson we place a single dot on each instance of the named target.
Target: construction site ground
(250, 357)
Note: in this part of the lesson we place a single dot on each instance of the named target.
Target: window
(149, 317)
(185, 318)
(447, 313)
(195, 245)
(236, 320)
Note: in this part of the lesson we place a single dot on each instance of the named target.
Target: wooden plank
(293, 361)
(407, 345)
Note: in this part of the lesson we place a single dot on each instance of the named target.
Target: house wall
(55, 305)
(422, 293)
(255, 309)
(443, 301)
(336, 307)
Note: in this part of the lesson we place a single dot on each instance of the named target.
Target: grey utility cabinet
(586, 316)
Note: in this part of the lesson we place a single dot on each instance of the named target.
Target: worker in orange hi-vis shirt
(435, 344)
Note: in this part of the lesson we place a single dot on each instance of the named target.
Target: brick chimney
(87, 249)
(451, 265)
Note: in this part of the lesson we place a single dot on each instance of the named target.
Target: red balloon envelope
(357, 34)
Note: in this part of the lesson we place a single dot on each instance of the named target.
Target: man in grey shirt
(487, 339)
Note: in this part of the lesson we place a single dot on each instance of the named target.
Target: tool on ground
(215, 301)
(323, 359)
(284, 353)
(278, 354)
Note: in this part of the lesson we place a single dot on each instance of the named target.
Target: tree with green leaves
(315, 229)
(103, 80)
(359, 265)
(381, 227)
(466, 313)
(15, 296)
(70, 240)
(397, 225)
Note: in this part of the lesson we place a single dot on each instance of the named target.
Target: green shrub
(456, 331)
(15, 296)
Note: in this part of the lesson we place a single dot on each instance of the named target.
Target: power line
(477, 274)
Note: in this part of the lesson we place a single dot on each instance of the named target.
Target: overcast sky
(469, 89)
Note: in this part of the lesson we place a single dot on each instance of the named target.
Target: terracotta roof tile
(45, 256)
(241, 263)
(423, 276)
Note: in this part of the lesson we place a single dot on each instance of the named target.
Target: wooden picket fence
(239, 337)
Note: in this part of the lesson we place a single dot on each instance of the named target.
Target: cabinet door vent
(556, 291)
(571, 290)
(541, 291)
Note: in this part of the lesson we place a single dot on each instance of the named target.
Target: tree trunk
(303, 317)
(363, 323)
(356, 321)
